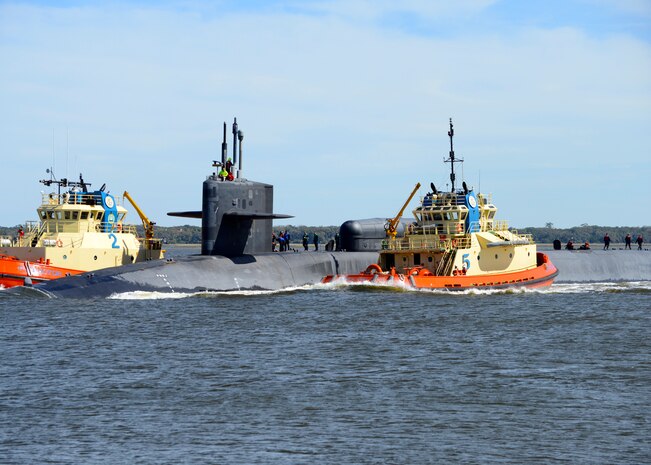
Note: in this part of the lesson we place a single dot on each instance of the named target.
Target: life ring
(459, 227)
(59, 243)
(373, 266)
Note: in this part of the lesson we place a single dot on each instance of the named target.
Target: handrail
(427, 242)
(75, 198)
(448, 199)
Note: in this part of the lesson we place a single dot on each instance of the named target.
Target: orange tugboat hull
(14, 272)
(541, 276)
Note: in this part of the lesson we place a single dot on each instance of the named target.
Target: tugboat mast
(452, 160)
(64, 182)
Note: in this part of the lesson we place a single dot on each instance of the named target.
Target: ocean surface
(329, 375)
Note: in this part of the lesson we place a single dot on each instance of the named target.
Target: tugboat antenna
(452, 160)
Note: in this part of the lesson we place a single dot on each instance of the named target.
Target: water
(329, 375)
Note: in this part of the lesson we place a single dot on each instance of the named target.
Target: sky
(344, 105)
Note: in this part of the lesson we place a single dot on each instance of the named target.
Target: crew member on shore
(315, 241)
(305, 240)
(639, 241)
(627, 242)
(569, 245)
(606, 242)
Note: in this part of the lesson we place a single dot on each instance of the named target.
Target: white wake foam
(397, 286)
(153, 295)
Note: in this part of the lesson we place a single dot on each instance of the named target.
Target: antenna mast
(452, 160)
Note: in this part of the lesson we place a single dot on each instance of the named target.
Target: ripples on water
(329, 374)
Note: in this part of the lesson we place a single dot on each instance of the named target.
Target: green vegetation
(187, 234)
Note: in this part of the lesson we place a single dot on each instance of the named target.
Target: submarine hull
(200, 273)
(576, 266)
(276, 271)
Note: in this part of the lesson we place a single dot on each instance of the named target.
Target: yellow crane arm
(146, 223)
(392, 223)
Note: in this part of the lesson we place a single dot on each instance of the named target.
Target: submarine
(236, 219)
(236, 255)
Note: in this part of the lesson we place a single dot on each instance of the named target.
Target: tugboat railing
(451, 200)
(75, 198)
(427, 242)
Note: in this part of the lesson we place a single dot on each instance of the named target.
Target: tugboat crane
(146, 222)
(391, 226)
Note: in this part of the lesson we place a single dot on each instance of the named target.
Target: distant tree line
(188, 234)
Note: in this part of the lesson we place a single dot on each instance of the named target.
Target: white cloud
(637, 7)
(376, 9)
(343, 119)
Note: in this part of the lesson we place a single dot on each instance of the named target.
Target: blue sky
(344, 104)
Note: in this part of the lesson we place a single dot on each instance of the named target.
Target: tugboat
(455, 243)
(78, 231)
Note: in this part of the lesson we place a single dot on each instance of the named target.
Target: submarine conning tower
(236, 214)
(236, 217)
